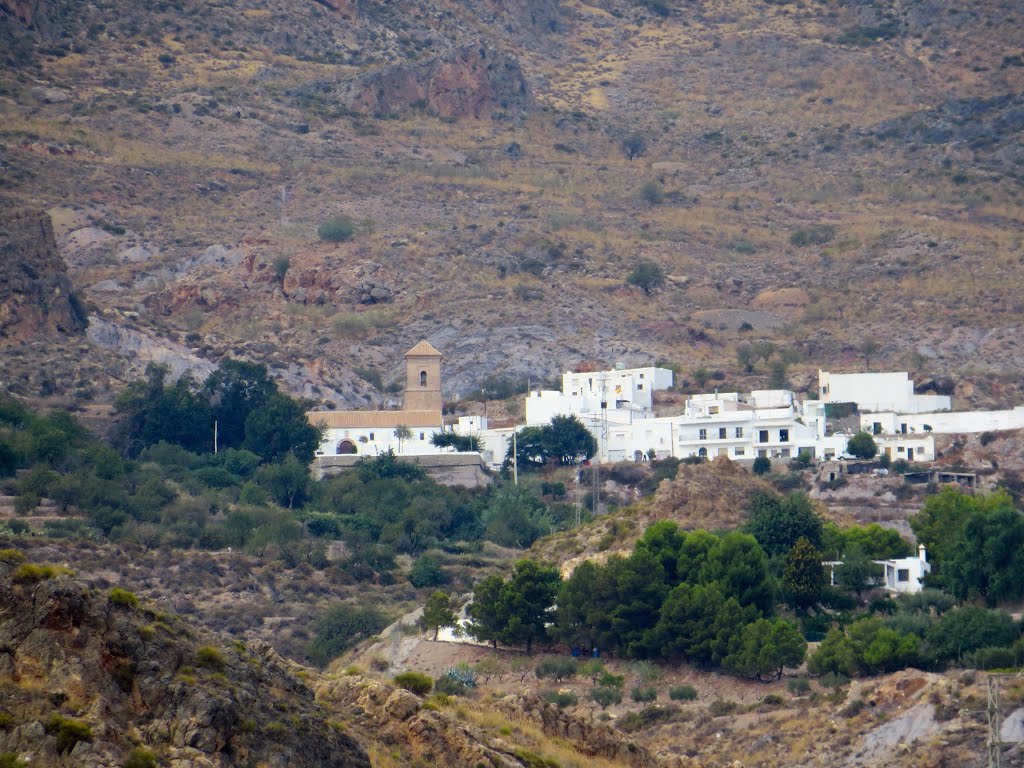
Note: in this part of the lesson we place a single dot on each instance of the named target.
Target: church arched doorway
(346, 447)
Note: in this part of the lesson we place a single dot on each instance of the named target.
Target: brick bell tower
(422, 379)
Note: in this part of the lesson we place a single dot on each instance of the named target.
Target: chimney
(921, 554)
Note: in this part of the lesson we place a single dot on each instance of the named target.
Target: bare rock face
(36, 295)
(129, 676)
(24, 11)
(468, 81)
(345, 8)
(592, 738)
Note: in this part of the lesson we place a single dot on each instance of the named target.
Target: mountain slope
(866, 153)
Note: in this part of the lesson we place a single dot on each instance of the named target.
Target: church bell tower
(422, 378)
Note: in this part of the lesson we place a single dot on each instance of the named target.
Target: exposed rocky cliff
(87, 677)
(468, 81)
(36, 295)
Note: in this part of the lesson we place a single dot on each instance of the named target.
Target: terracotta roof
(363, 419)
(423, 349)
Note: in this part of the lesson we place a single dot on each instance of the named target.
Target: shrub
(337, 230)
(773, 700)
(558, 668)
(852, 709)
(12, 556)
(721, 707)
(427, 572)
(140, 757)
(682, 693)
(833, 680)
(414, 682)
(68, 732)
(30, 573)
(11, 760)
(561, 699)
(210, 657)
(762, 465)
(119, 596)
(449, 686)
(644, 695)
(816, 235)
(798, 686)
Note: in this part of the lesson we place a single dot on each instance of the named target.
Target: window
(784, 453)
(713, 410)
(762, 436)
(783, 435)
(371, 435)
(722, 433)
(423, 436)
(762, 453)
(901, 449)
(423, 378)
(703, 453)
(641, 375)
(903, 574)
(703, 434)
(739, 452)
(639, 387)
(739, 431)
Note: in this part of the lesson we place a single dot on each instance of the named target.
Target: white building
(958, 422)
(619, 396)
(878, 392)
(905, 575)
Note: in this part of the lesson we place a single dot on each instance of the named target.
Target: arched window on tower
(423, 378)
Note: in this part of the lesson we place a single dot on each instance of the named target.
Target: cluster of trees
(921, 630)
(239, 400)
(975, 544)
(166, 495)
(565, 441)
(696, 596)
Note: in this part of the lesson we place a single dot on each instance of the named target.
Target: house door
(910, 454)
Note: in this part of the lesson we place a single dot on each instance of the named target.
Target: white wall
(947, 423)
(889, 391)
(380, 440)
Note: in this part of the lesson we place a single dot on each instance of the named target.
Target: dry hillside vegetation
(868, 153)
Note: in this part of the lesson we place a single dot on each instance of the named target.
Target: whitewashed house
(891, 391)
(905, 575)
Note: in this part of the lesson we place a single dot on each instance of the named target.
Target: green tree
(762, 465)
(857, 571)
(341, 627)
(835, 654)
(438, 612)
(738, 563)
(279, 427)
(403, 433)
(868, 347)
(461, 443)
(647, 276)
(529, 596)
(988, 562)
(778, 522)
(427, 572)
(515, 517)
(701, 376)
(568, 441)
(804, 576)
(766, 647)
(488, 613)
(281, 266)
(287, 482)
(558, 668)
(746, 356)
(862, 446)
(605, 696)
(234, 390)
(634, 146)
(966, 629)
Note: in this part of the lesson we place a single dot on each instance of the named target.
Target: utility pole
(995, 719)
(215, 437)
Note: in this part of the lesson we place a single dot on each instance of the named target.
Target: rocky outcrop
(395, 716)
(468, 81)
(128, 677)
(591, 738)
(36, 295)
